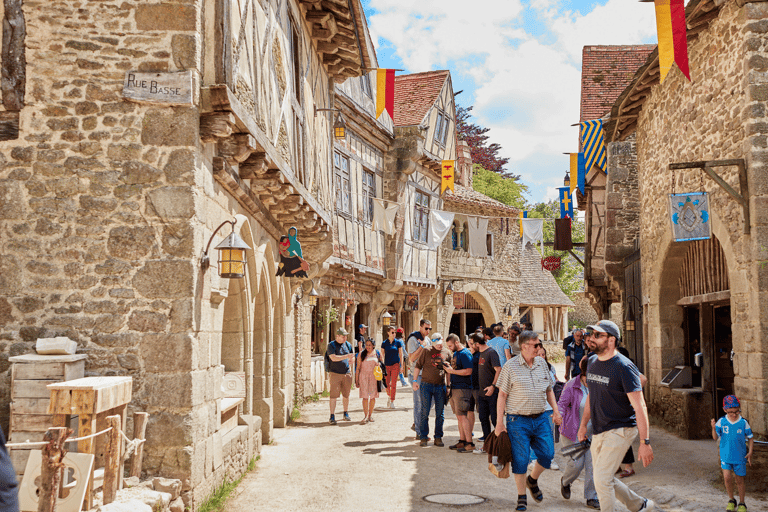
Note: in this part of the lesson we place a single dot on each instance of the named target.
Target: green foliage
(313, 398)
(325, 393)
(505, 190)
(252, 464)
(295, 413)
(570, 277)
(217, 500)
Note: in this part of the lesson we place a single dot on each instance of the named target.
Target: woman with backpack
(367, 363)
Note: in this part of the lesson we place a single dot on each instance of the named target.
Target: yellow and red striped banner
(673, 41)
(385, 92)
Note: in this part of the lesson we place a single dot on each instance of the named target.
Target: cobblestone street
(378, 466)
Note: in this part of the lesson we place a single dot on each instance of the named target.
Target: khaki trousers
(608, 449)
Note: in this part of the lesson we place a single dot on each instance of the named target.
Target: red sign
(551, 263)
(458, 300)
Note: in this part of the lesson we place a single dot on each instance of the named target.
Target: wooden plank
(112, 459)
(30, 388)
(30, 406)
(21, 437)
(40, 371)
(50, 470)
(140, 420)
(74, 370)
(32, 422)
(19, 459)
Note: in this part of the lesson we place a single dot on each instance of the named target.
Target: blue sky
(517, 61)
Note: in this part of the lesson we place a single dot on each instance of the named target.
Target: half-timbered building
(144, 128)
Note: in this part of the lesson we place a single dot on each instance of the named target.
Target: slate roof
(605, 73)
(537, 286)
(415, 94)
(466, 195)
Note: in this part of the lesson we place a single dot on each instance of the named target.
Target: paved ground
(379, 466)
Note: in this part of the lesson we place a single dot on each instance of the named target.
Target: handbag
(378, 373)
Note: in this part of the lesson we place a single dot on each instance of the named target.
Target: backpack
(326, 359)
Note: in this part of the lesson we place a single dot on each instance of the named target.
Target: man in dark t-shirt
(617, 409)
(489, 367)
(461, 391)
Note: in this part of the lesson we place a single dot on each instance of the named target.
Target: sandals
(533, 486)
(522, 503)
(626, 473)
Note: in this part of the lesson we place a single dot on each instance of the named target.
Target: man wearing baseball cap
(617, 408)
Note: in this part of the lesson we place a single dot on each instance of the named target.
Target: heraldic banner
(689, 214)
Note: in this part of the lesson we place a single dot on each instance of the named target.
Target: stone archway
(263, 356)
(484, 300)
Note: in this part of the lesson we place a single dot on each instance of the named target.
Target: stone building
(489, 283)
(542, 302)
(703, 302)
(611, 198)
(107, 204)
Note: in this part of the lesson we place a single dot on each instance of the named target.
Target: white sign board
(158, 88)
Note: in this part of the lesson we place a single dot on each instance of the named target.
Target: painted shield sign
(458, 300)
(689, 214)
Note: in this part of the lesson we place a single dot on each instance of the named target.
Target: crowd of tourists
(502, 378)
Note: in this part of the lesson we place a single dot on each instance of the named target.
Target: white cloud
(525, 60)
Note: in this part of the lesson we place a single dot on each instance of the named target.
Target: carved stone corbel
(217, 125)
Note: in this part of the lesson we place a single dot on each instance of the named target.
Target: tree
(505, 190)
(482, 153)
(570, 277)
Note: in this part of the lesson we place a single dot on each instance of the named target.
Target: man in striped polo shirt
(524, 390)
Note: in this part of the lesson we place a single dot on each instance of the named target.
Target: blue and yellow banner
(593, 145)
(578, 172)
(566, 203)
(523, 215)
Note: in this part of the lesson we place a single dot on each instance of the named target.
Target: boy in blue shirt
(734, 433)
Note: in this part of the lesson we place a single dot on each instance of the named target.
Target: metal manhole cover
(455, 499)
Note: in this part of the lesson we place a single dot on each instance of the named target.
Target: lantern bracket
(205, 262)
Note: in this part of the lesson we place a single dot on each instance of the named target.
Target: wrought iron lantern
(386, 318)
(567, 179)
(448, 294)
(340, 127)
(313, 296)
(232, 258)
(508, 311)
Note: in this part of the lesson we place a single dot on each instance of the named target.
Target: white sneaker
(389, 404)
(647, 505)
(392, 405)
(554, 466)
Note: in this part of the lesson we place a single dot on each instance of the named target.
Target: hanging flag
(673, 40)
(522, 215)
(385, 92)
(593, 145)
(566, 204)
(448, 167)
(578, 172)
(563, 240)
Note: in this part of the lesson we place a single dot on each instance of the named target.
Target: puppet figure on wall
(292, 264)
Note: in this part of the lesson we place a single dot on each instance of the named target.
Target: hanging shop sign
(689, 215)
(458, 300)
(551, 263)
(411, 302)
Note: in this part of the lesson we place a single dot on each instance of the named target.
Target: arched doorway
(263, 356)
(476, 312)
(694, 331)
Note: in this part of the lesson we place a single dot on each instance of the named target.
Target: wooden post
(50, 470)
(139, 432)
(112, 460)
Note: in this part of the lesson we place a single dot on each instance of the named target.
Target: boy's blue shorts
(739, 469)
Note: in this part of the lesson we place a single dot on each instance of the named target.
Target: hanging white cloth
(384, 216)
(533, 231)
(440, 224)
(478, 232)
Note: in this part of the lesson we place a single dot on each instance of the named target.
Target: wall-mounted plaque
(411, 302)
(158, 88)
(458, 300)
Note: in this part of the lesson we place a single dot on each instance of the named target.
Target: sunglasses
(427, 328)
(534, 345)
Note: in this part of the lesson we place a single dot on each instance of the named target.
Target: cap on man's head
(437, 338)
(606, 326)
(400, 330)
(341, 332)
(362, 326)
(731, 401)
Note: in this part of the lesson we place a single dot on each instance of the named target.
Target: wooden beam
(9, 125)
(112, 457)
(216, 125)
(50, 469)
(14, 76)
(140, 420)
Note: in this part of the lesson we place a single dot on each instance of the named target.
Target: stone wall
(622, 207)
(582, 313)
(719, 115)
(495, 281)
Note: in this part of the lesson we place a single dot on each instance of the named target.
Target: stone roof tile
(466, 195)
(537, 286)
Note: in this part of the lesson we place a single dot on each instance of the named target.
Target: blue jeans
(431, 392)
(416, 405)
(551, 424)
(530, 433)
